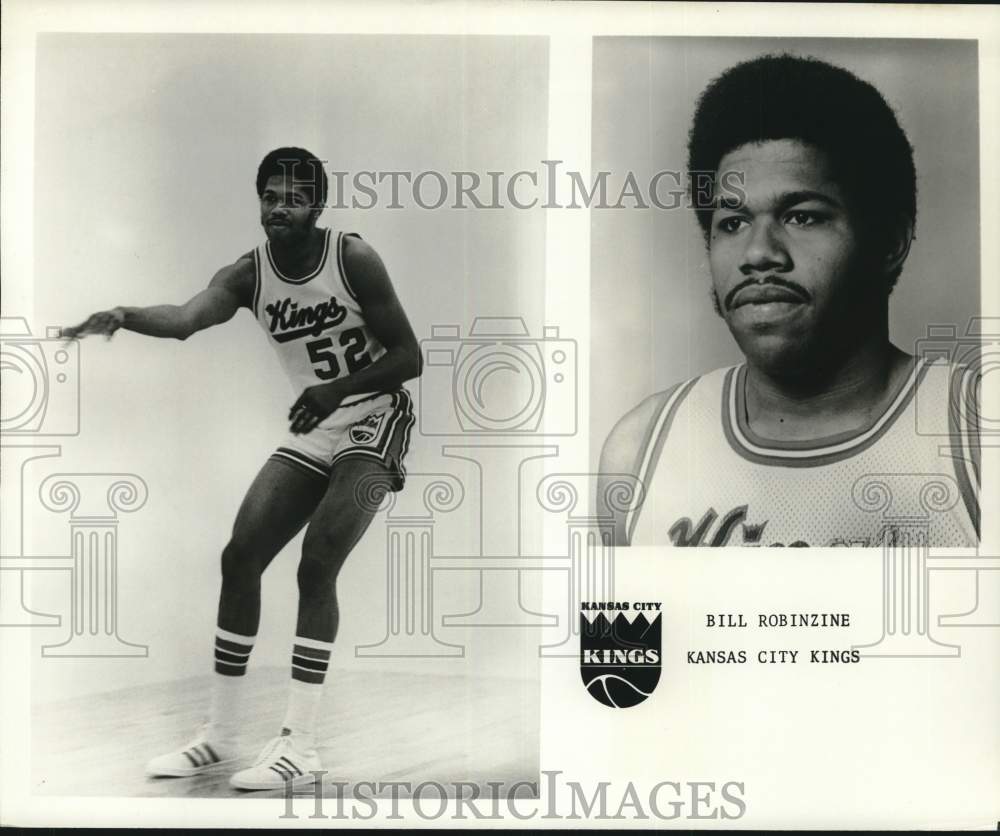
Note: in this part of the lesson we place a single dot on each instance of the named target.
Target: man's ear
(898, 243)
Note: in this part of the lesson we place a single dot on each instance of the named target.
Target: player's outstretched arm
(230, 288)
(385, 316)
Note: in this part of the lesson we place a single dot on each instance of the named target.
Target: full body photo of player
(330, 312)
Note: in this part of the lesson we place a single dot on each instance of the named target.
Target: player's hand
(313, 405)
(104, 322)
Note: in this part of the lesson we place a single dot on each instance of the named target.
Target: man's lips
(761, 294)
(277, 222)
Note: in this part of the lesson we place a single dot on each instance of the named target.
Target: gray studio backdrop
(652, 322)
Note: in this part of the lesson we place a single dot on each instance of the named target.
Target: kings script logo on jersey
(290, 321)
(619, 657)
(734, 523)
(368, 428)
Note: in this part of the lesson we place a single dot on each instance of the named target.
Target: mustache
(775, 281)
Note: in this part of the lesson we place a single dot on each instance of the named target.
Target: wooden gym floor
(374, 726)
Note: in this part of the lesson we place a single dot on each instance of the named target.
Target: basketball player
(329, 309)
(771, 451)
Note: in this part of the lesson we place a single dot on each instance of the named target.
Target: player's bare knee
(317, 574)
(239, 564)
(328, 538)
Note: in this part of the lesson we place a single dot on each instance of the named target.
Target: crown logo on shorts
(367, 429)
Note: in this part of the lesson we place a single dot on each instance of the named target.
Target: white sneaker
(200, 755)
(287, 759)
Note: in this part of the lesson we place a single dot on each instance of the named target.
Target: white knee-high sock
(232, 653)
(310, 660)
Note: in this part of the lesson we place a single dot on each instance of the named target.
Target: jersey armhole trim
(648, 455)
(256, 282)
(964, 436)
(341, 236)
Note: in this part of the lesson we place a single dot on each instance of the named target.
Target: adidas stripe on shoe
(200, 755)
(287, 759)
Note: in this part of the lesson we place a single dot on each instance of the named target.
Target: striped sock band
(310, 659)
(232, 652)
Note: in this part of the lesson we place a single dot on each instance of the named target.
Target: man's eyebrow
(781, 201)
(805, 195)
(730, 202)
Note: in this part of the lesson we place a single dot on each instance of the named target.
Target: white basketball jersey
(314, 323)
(710, 481)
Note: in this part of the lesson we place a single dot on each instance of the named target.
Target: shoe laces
(204, 735)
(271, 750)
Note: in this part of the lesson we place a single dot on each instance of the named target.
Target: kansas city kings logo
(619, 659)
(367, 429)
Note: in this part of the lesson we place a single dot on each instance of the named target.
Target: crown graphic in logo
(367, 429)
(752, 532)
(620, 632)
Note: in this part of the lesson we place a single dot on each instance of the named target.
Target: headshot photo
(795, 357)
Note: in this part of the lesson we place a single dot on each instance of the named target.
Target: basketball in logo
(367, 429)
(619, 659)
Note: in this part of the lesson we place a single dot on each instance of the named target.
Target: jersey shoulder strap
(638, 440)
(964, 391)
(341, 266)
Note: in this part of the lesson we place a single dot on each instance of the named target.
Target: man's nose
(765, 248)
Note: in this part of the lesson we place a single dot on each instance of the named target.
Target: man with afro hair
(803, 258)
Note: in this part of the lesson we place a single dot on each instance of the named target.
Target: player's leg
(369, 442)
(339, 522)
(357, 488)
(279, 502)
